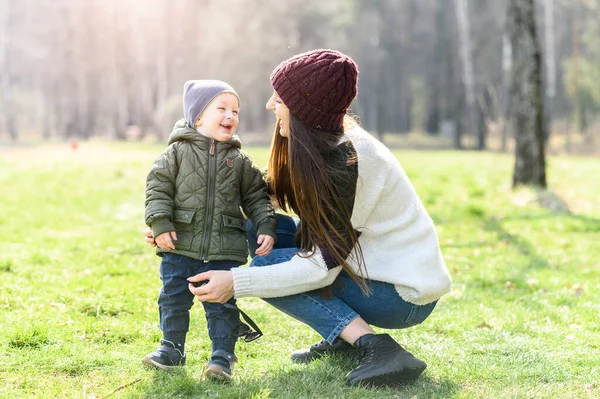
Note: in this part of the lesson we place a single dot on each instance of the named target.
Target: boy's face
(220, 119)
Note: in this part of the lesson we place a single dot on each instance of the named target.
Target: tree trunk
(145, 114)
(550, 65)
(481, 126)
(578, 113)
(161, 53)
(458, 130)
(380, 107)
(401, 60)
(42, 105)
(506, 67)
(464, 43)
(526, 106)
(6, 101)
(80, 72)
(120, 112)
(457, 103)
(432, 121)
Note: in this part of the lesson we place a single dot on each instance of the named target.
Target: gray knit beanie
(198, 94)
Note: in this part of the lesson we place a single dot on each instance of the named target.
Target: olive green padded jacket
(196, 188)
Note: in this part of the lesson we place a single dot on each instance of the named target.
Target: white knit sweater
(398, 239)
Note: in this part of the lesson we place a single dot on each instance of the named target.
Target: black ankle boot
(166, 357)
(383, 362)
(220, 365)
(320, 349)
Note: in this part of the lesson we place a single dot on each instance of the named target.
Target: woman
(365, 250)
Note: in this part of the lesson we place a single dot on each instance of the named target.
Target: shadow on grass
(522, 245)
(560, 208)
(575, 224)
(590, 224)
(320, 379)
(566, 222)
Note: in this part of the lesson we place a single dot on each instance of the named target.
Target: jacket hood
(183, 132)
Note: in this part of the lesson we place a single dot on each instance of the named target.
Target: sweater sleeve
(294, 276)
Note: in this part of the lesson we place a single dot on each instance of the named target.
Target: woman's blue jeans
(382, 308)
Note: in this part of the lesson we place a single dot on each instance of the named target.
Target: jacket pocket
(182, 220)
(233, 235)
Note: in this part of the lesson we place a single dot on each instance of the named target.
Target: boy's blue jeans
(176, 300)
(383, 308)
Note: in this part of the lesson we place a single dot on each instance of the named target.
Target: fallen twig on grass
(119, 388)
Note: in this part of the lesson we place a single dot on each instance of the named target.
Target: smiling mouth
(227, 126)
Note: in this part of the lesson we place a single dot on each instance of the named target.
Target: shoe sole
(394, 378)
(305, 358)
(149, 362)
(216, 373)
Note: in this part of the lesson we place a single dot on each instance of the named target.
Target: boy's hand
(266, 243)
(165, 240)
(148, 236)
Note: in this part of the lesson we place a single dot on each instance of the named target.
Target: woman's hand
(218, 289)
(148, 236)
(266, 243)
(165, 240)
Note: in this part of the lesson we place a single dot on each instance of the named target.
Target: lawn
(79, 286)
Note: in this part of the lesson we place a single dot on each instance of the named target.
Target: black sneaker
(166, 357)
(322, 348)
(220, 365)
(383, 362)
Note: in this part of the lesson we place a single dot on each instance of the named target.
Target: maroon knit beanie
(317, 87)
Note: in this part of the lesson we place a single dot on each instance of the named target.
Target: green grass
(79, 286)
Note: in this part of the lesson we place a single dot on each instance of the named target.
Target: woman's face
(282, 113)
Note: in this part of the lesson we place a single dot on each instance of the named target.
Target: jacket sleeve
(160, 192)
(256, 202)
(294, 276)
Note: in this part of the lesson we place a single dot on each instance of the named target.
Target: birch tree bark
(506, 67)
(161, 54)
(120, 111)
(81, 57)
(464, 43)
(526, 98)
(432, 123)
(6, 99)
(550, 64)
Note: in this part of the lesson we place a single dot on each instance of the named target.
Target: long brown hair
(299, 176)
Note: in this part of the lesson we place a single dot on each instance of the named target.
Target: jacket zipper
(210, 199)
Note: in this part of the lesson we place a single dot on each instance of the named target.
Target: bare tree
(506, 68)
(464, 42)
(6, 95)
(526, 98)
(432, 123)
(117, 81)
(98, 67)
(380, 61)
(550, 63)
